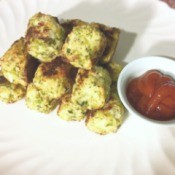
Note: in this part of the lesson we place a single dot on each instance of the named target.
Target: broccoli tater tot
(54, 78)
(70, 111)
(83, 46)
(44, 37)
(109, 118)
(39, 101)
(10, 93)
(112, 36)
(92, 88)
(17, 66)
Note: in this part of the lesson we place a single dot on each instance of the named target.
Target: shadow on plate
(163, 48)
(125, 44)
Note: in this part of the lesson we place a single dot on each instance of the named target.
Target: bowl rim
(132, 111)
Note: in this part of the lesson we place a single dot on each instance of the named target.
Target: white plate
(38, 144)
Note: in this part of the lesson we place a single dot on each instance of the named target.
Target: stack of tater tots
(67, 65)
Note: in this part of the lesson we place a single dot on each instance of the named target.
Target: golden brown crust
(51, 69)
(69, 24)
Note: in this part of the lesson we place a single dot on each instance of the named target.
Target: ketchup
(153, 95)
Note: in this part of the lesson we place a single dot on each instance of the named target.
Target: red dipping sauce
(153, 95)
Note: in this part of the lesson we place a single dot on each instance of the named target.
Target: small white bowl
(137, 68)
